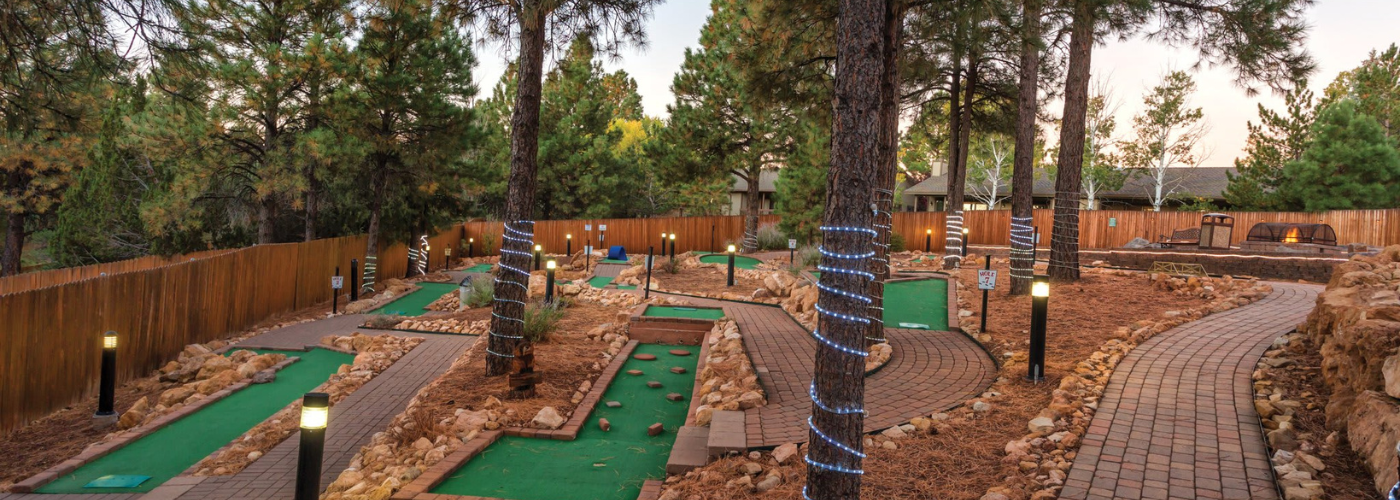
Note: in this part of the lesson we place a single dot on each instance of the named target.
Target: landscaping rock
(548, 418)
(750, 468)
(1041, 425)
(634, 372)
(613, 404)
(264, 377)
(894, 432)
(675, 396)
(176, 395)
(679, 352)
(655, 429)
(678, 370)
(604, 424)
(654, 384)
(784, 452)
(769, 482)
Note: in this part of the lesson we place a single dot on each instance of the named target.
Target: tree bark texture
(508, 351)
(839, 384)
(1023, 169)
(376, 207)
(889, 159)
(1064, 238)
(957, 173)
(14, 244)
(752, 206)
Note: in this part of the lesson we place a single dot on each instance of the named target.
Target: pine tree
(801, 184)
(1278, 138)
(1349, 164)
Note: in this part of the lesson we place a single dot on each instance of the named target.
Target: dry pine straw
(566, 360)
(966, 460)
(702, 280)
(59, 436)
(1346, 476)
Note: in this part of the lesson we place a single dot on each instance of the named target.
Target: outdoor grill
(1292, 237)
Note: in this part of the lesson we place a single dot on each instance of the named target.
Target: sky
(1343, 32)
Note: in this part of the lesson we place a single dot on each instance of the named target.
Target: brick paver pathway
(1177, 419)
(930, 371)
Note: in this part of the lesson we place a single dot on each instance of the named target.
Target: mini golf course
(923, 302)
(683, 312)
(614, 261)
(413, 303)
(601, 465)
(479, 268)
(599, 281)
(740, 261)
(167, 452)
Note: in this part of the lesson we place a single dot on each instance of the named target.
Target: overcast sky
(1343, 33)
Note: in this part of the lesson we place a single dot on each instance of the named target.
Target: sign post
(651, 259)
(587, 248)
(986, 281)
(337, 283)
(792, 252)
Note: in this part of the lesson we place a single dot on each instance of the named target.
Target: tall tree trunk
(839, 385)
(1064, 238)
(957, 173)
(14, 244)
(508, 350)
(888, 162)
(267, 213)
(1023, 170)
(312, 185)
(376, 208)
(752, 206)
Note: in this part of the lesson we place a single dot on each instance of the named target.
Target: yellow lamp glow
(1040, 287)
(314, 417)
(731, 248)
(928, 231)
(568, 236)
(964, 230)
(471, 240)
(673, 236)
(549, 264)
(109, 340)
(538, 248)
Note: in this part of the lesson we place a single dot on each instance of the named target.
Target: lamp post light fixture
(354, 280)
(1040, 301)
(471, 247)
(663, 243)
(731, 266)
(928, 240)
(964, 243)
(538, 249)
(673, 246)
(549, 281)
(106, 397)
(315, 414)
(568, 244)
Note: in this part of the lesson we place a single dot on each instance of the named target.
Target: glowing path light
(512, 234)
(856, 264)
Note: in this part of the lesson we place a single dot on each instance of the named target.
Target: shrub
(670, 266)
(896, 242)
(479, 292)
(383, 321)
(541, 320)
(771, 238)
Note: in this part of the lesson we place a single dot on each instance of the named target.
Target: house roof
(1206, 182)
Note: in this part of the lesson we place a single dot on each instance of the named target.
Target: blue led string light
(884, 220)
(512, 234)
(854, 264)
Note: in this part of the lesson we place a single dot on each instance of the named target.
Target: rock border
(123, 438)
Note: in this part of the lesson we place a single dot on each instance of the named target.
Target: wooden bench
(1182, 237)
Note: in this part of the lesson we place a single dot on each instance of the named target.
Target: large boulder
(1373, 428)
(1357, 324)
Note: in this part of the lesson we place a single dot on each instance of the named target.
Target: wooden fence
(41, 279)
(1097, 228)
(50, 337)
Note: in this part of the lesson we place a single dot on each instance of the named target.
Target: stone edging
(699, 366)
(419, 488)
(99, 450)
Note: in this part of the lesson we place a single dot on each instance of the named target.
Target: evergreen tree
(801, 184)
(1278, 138)
(1374, 87)
(1349, 164)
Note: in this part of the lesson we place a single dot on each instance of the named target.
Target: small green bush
(479, 292)
(541, 320)
(771, 238)
(809, 256)
(670, 266)
(896, 242)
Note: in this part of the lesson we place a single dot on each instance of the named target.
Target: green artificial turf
(740, 261)
(167, 452)
(598, 465)
(683, 312)
(413, 303)
(626, 287)
(479, 268)
(599, 281)
(923, 302)
(613, 261)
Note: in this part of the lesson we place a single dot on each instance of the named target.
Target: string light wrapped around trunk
(512, 234)
(857, 264)
(953, 242)
(1022, 246)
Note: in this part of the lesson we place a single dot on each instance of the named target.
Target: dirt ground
(566, 360)
(962, 463)
(48, 441)
(1346, 476)
(704, 280)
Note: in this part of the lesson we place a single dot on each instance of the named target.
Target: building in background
(1188, 184)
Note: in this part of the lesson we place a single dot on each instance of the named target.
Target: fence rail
(49, 347)
(1097, 228)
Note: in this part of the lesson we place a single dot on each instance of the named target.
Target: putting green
(413, 303)
(683, 312)
(923, 302)
(626, 287)
(614, 261)
(167, 452)
(479, 268)
(740, 261)
(598, 465)
(599, 281)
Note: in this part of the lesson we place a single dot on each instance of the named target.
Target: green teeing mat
(599, 281)
(921, 302)
(627, 287)
(479, 268)
(598, 465)
(613, 261)
(683, 312)
(167, 452)
(740, 261)
(413, 303)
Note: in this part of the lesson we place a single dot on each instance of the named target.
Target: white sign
(337, 282)
(587, 227)
(792, 243)
(602, 227)
(986, 279)
(588, 249)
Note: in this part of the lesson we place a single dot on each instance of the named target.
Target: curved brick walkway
(1177, 420)
(930, 371)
